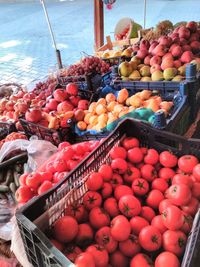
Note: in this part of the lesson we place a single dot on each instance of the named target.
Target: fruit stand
(100, 161)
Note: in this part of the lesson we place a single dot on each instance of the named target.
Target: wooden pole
(98, 23)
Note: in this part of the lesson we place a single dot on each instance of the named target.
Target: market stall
(97, 164)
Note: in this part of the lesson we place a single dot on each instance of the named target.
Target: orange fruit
(87, 118)
(118, 108)
(111, 105)
(103, 118)
(100, 109)
(145, 94)
(122, 95)
(110, 97)
(166, 105)
(93, 120)
(81, 125)
(136, 101)
(92, 107)
(128, 101)
(101, 101)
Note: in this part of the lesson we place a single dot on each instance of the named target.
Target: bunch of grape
(88, 65)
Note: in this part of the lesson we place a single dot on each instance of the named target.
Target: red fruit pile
(11, 137)
(143, 202)
(53, 170)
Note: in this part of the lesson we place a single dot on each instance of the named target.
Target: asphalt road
(26, 51)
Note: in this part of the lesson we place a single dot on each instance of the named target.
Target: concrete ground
(26, 51)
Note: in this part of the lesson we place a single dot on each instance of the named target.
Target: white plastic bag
(38, 151)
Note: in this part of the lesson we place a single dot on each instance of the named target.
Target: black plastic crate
(41, 213)
(6, 128)
(44, 133)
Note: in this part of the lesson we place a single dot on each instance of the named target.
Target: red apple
(33, 115)
(192, 26)
(72, 89)
(74, 100)
(64, 107)
(21, 106)
(83, 104)
(52, 104)
(60, 95)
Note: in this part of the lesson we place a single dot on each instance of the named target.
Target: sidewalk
(26, 51)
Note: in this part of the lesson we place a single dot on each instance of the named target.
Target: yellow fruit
(100, 109)
(103, 118)
(118, 108)
(110, 97)
(101, 101)
(93, 120)
(81, 125)
(87, 118)
(111, 120)
(128, 101)
(89, 127)
(135, 101)
(111, 105)
(122, 96)
(100, 126)
(92, 107)
(153, 105)
(145, 94)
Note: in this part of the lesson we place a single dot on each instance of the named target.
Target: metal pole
(58, 56)
(145, 12)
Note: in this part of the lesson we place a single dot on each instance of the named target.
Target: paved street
(26, 51)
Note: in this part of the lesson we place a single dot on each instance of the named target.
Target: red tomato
(186, 163)
(137, 223)
(179, 194)
(116, 180)
(167, 159)
(118, 152)
(63, 145)
(44, 187)
(144, 150)
(98, 218)
(187, 223)
(166, 259)
(130, 142)
(22, 179)
(94, 181)
(196, 190)
(104, 238)
(76, 210)
(106, 172)
(147, 213)
(151, 157)
(140, 187)
(33, 180)
(174, 241)
(150, 238)
(92, 199)
(119, 165)
(122, 190)
(130, 247)
(67, 153)
(129, 206)
(182, 179)
(120, 228)
(117, 259)
(106, 190)
(99, 254)
(57, 177)
(166, 173)
(72, 252)
(23, 194)
(84, 235)
(196, 172)
(148, 172)
(160, 184)
(192, 207)
(85, 259)
(141, 260)
(46, 176)
(60, 165)
(158, 223)
(135, 155)
(65, 229)
(165, 203)
(111, 206)
(172, 218)
(131, 174)
(154, 198)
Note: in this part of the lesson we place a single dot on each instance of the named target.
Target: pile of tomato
(137, 212)
(54, 170)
